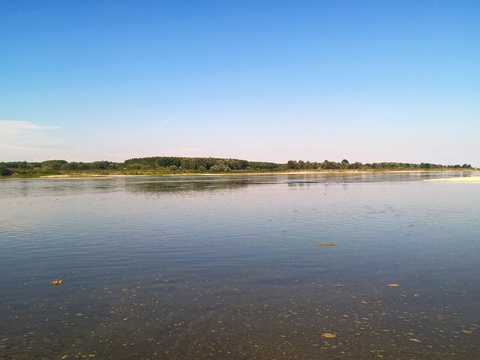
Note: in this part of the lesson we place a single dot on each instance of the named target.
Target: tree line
(345, 164)
(174, 164)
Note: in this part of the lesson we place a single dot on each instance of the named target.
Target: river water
(228, 267)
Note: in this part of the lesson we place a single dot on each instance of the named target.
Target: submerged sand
(470, 179)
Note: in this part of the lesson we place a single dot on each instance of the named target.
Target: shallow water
(227, 267)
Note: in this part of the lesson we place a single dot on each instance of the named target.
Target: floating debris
(329, 335)
(467, 331)
(325, 244)
(415, 340)
(393, 285)
(373, 302)
(57, 282)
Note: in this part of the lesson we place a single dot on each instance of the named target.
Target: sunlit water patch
(228, 268)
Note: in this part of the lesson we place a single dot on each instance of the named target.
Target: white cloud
(10, 127)
(23, 140)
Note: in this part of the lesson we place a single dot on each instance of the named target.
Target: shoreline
(303, 172)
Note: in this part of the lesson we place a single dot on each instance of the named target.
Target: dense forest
(163, 164)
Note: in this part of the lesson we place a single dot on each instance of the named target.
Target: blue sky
(369, 81)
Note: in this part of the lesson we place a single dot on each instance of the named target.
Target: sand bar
(469, 179)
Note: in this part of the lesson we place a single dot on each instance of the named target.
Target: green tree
(4, 171)
(53, 164)
(292, 164)
(356, 165)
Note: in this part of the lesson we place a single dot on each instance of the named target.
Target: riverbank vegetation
(162, 165)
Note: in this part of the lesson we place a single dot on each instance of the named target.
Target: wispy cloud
(25, 140)
(10, 127)
(144, 132)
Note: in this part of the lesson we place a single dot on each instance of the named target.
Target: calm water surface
(228, 267)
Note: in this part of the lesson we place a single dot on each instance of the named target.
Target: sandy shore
(62, 177)
(304, 172)
(470, 179)
(94, 176)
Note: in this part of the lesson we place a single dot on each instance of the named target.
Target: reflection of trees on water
(55, 187)
(188, 185)
(339, 178)
(69, 186)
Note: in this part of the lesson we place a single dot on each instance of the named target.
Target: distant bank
(163, 165)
